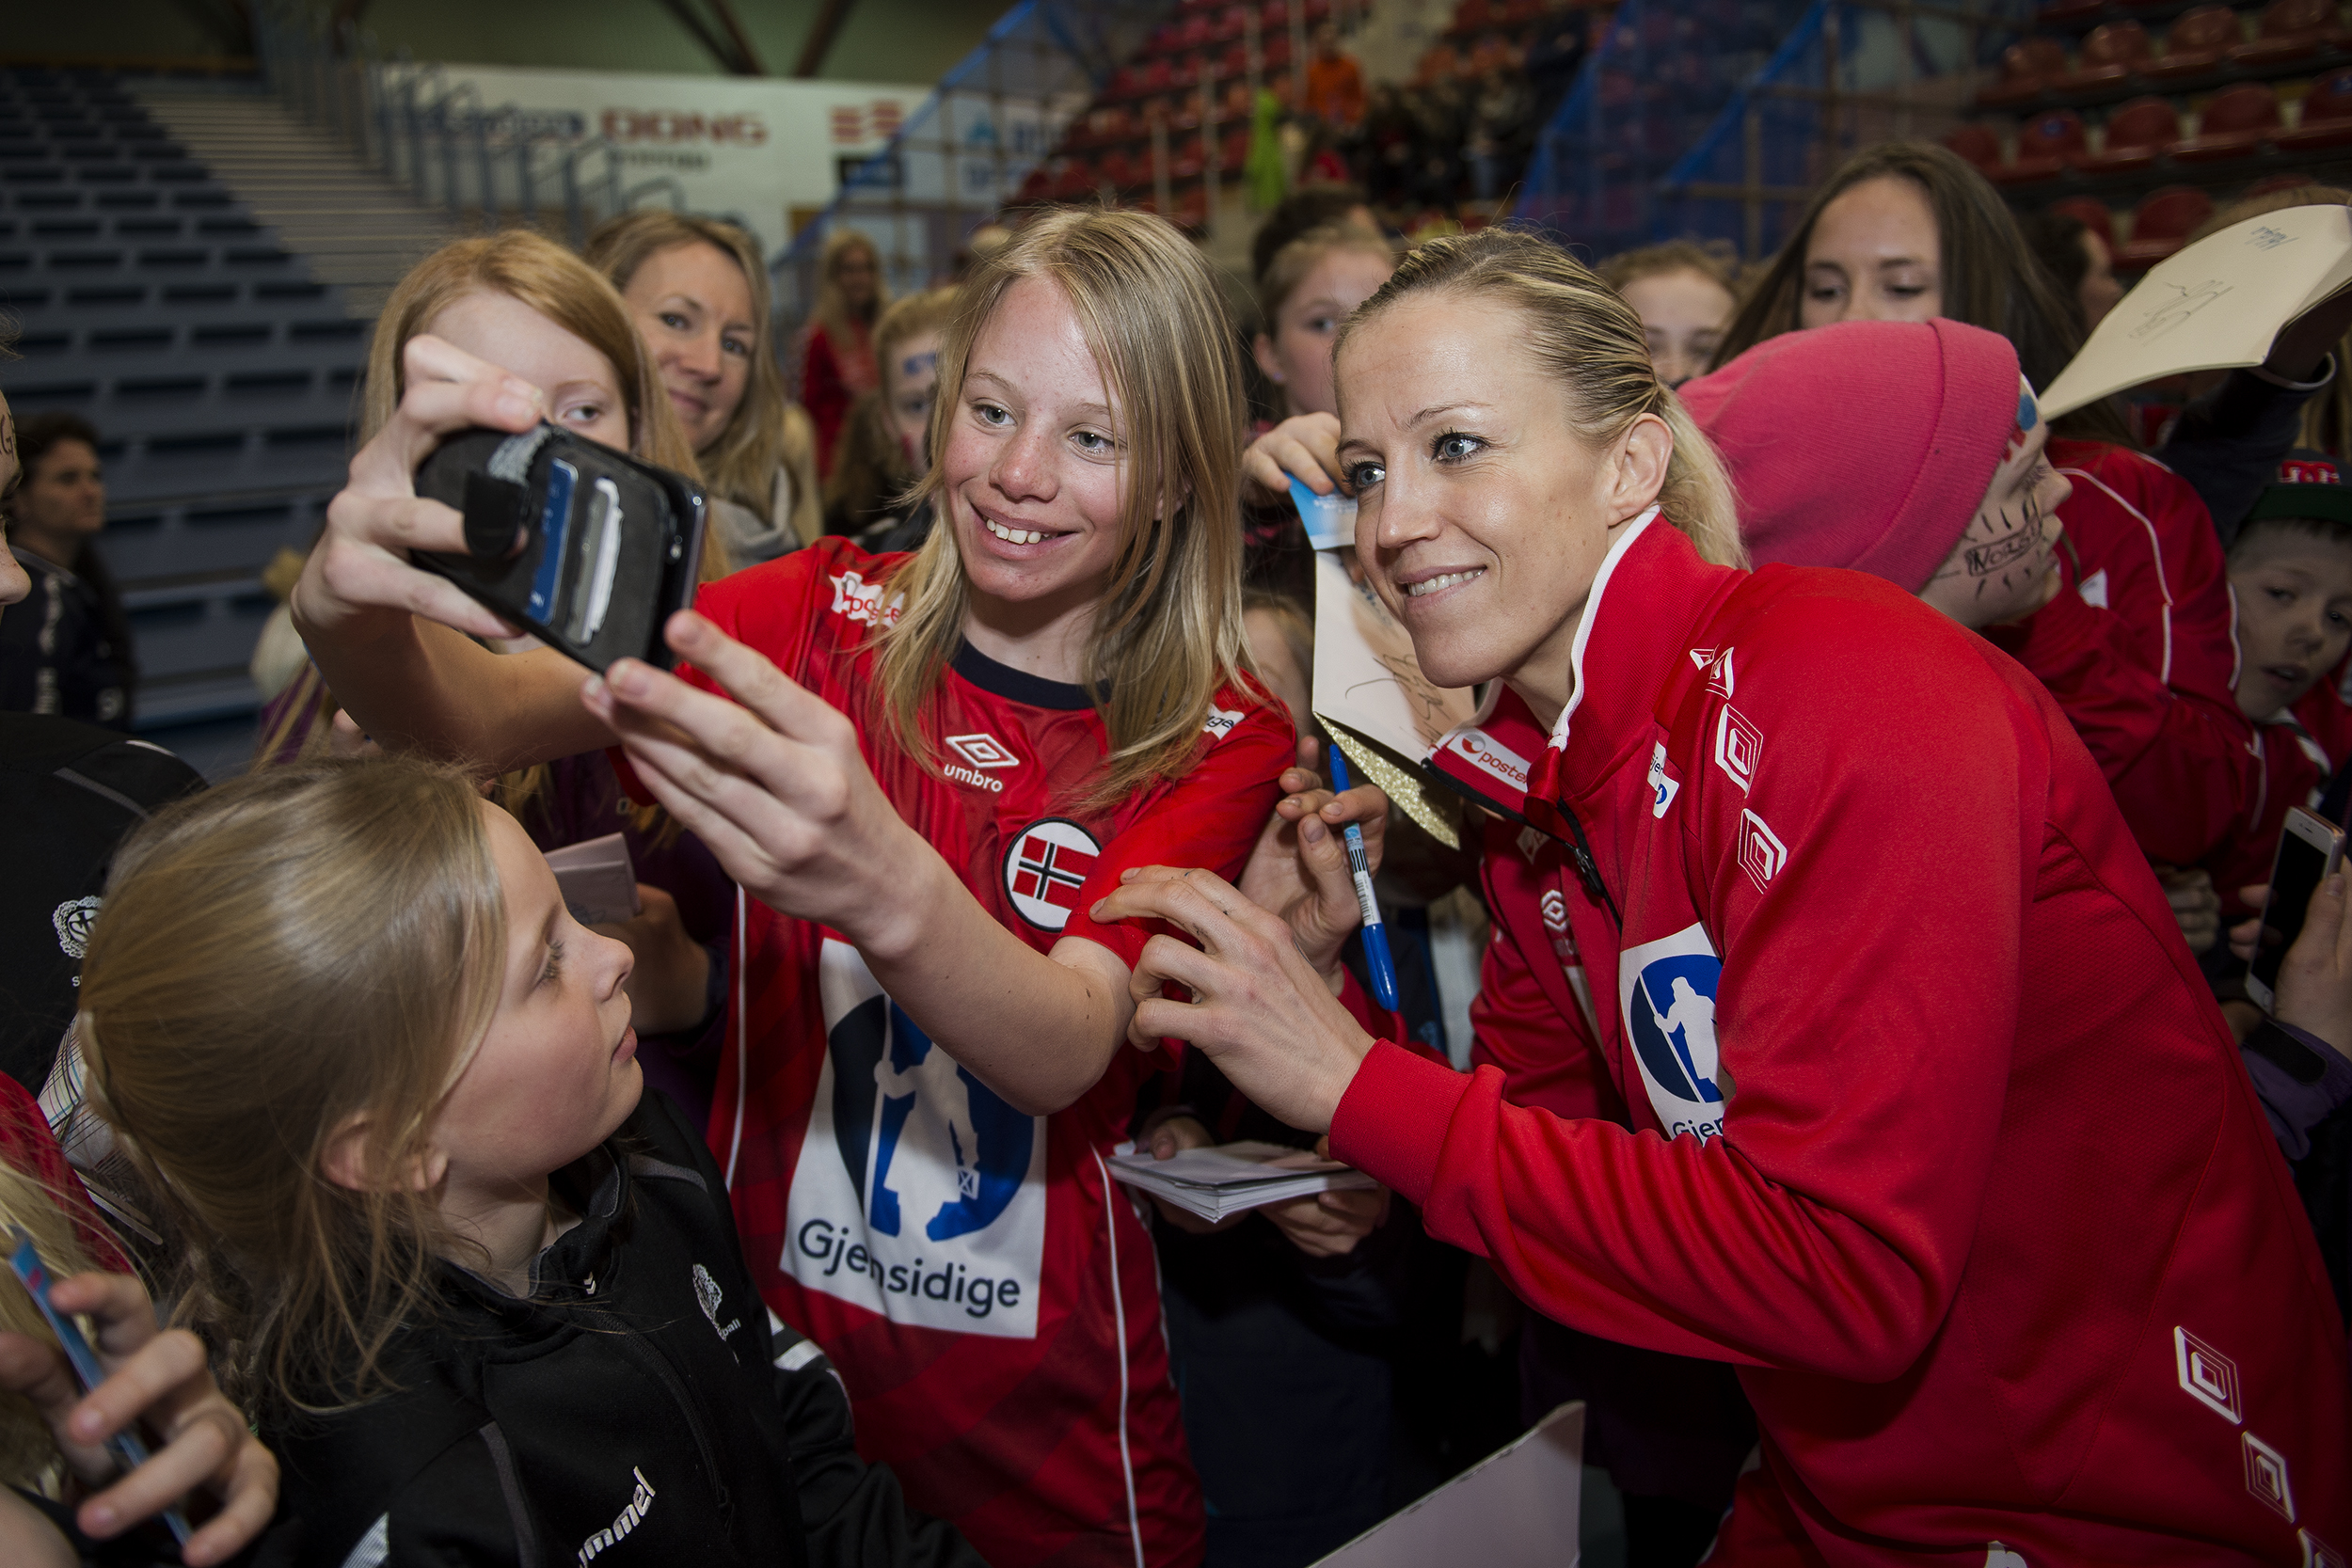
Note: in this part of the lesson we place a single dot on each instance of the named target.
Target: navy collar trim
(1019, 686)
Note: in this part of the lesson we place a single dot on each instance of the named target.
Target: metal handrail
(407, 117)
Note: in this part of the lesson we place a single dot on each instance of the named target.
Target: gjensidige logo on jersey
(1046, 865)
(1667, 996)
(918, 1194)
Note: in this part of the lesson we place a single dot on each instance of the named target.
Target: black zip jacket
(641, 1407)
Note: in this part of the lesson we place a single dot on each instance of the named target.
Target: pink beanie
(1866, 444)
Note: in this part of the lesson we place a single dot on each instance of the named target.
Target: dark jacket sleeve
(2228, 444)
(854, 1513)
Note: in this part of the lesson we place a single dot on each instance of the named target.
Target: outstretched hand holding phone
(203, 1442)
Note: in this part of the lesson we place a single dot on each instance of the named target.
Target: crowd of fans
(1859, 1103)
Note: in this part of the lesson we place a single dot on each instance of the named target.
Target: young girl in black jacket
(486, 1295)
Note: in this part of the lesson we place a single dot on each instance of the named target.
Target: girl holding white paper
(1932, 951)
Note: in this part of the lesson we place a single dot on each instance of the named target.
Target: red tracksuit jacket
(2141, 650)
(1931, 1128)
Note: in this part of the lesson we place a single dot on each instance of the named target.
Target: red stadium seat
(2056, 12)
(2137, 135)
(2195, 43)
(2327, 116)
(2288, 30)
(1977, 142)
(1275, 17)
(2045, 144)
(1471, 15)
(2092, 214)
(1158, 76)
(2160, 223)
(2026, 68)
(1039, 184)
(1120, 170)
(2109, 55)
(1195, 33)
(1074, 183)
(2235, 121)
(1234, 61)
(1277, 53)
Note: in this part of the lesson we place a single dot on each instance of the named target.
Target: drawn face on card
(2002, 568)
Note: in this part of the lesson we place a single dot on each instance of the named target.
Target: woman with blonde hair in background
(837, 362)
(940, 760)
(699, 294)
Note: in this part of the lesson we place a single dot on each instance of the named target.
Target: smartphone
(589, 548)
(25, 1261)
(2311, 849)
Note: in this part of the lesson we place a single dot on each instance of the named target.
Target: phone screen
(2293, 880)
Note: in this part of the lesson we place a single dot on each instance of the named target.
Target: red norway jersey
(989, 1298)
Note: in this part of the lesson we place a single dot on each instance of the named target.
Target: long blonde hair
(1168, 632)
(1587, 337)
(741, 464)
(832, 311)
(279, 955)
(27, 1449)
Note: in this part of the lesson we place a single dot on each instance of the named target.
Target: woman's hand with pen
(1299, 869)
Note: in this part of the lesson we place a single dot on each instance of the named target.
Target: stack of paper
(2215, 305)
(1232, 1179)
(597, 881)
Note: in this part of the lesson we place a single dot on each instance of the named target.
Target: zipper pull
(1587, 873)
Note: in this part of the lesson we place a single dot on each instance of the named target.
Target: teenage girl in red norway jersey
(941, 760)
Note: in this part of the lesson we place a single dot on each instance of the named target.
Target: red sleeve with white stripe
(2141, 650)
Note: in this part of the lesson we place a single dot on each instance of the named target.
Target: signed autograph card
(2215, 305)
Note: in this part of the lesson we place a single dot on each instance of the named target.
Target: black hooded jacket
(642, 1406)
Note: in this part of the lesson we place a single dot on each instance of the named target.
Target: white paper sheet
(2215, 304)
(1517, 1508)
(597, 880)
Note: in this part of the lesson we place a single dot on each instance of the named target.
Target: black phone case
(611, 546)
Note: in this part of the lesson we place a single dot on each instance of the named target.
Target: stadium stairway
(218, 360)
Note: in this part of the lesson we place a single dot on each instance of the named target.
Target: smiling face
(583, 391)
(1036, 462)
(693, 309)
(2293, 615)
(1683, 316)
(557, 1073)
(2001, 568)
(1296, 355)
(1875, 254)
(1483, 515)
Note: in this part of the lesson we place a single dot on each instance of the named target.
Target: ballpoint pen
(1375, 934)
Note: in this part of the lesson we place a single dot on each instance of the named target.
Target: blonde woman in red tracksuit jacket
(1897, 1087)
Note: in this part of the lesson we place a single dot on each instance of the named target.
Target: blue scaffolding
(962, 155)
(1714, 120)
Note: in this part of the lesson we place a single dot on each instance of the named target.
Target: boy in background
(2291, 571)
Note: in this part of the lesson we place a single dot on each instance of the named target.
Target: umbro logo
(982, 751)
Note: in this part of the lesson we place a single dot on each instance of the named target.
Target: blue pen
(1375, 934)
